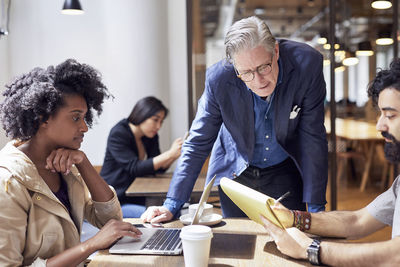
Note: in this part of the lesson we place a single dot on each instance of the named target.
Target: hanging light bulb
(326, 62)
(364, 49)
(381, 4)
(328, 46)
(340, 68)
(350, 59)
(322, 38)
(384, 38)
(72, 7)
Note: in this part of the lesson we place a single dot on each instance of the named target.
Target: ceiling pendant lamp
(381, 4)
(350, 59)
(384, 38)
(326, 62)
(323, 38)
(364, 49)
(339, 67)
(72, 7)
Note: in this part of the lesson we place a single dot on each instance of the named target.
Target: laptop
(159, 241)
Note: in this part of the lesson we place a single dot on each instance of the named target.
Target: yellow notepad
(250, 201)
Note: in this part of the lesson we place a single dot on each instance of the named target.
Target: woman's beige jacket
(34, 224)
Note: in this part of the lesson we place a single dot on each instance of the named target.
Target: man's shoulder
(121, 127)
(298, 52)
(220, 71)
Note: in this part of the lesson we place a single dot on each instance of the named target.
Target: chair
(345, 151)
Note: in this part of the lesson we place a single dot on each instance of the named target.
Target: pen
(186, 135)
(282, 197)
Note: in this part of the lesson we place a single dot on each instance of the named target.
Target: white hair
(248, 33)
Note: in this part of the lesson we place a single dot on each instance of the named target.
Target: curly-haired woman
(48, 184)
(133, 150)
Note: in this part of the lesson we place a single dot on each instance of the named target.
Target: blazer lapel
(284, 100)
(244, 115)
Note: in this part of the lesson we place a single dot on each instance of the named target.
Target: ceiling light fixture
(323, 38)
(259, 11)
(311, 3)
(328, 46)
(381, 4)
(350, 59)
(364, 49)
(384, 38)
(339, 67)
(72, 7)
(326, 62)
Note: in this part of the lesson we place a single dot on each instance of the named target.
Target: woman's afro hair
(385, 79)
(33, 97)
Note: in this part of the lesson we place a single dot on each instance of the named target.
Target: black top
(121, 163)
(62, 195)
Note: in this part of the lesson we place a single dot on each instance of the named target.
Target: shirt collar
(280, 74)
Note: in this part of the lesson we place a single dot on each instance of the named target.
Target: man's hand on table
(291, 241)
(156, 214)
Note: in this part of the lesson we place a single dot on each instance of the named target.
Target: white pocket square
(294, 112)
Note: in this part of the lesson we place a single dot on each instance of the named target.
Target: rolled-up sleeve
(99, 213)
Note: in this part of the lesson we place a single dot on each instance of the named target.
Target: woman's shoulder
(120, 129)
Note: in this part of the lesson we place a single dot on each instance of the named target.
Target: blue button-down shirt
(267, 151)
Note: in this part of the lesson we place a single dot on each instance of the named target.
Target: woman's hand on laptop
(156, 214)
(111, 232)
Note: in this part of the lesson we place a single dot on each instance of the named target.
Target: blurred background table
(155, 188)
(362, 140)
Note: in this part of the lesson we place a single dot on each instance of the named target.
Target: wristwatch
(313, 252)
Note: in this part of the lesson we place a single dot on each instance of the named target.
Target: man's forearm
(384, 253)
(346, 224)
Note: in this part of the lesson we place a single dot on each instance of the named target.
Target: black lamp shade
(385, 34)
(365, 46)
(364, 49)
(73, 6)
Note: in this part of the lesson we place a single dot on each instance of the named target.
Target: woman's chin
(150, 135)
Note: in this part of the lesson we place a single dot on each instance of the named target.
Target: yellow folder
(250, 201)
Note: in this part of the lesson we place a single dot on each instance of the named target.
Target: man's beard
(392, 150)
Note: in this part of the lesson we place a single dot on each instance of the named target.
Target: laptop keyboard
(163, 239)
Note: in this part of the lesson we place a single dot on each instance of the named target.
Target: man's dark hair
(33, 97)
(145, 108)
(385, 79)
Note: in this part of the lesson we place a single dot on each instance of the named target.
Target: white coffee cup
(196, 242)
(208, 209)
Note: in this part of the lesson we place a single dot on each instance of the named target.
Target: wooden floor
(350, 198)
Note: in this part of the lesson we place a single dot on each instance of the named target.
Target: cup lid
(196, 232)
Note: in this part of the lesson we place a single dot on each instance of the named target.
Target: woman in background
(48, 185)
(133, 150)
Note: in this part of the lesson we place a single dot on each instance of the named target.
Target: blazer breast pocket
(293, 123)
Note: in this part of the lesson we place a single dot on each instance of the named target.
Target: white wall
(139, 47)
(4, 77)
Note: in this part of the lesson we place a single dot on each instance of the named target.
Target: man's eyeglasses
(248, 76)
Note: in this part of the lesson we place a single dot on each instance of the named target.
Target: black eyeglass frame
(260, 70)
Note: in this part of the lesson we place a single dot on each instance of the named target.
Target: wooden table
(155, 188)
(365, 134)
(236, 242)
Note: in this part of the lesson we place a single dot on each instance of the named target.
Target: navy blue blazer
(121, 163)
(224, 123)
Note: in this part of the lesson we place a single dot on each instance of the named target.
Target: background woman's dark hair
(385, 79)
(145, 108)
(33, 97)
